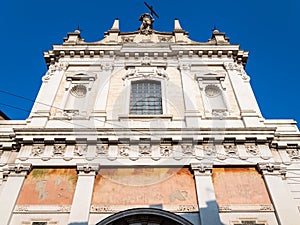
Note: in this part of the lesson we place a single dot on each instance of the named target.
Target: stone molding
(238, 68)
(202, 169)
(274, 169)
(88, 169)
(19, 169)
(246, 208)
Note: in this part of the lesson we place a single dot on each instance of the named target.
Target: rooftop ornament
(147, 20)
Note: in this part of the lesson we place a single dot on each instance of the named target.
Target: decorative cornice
(202, 169)
(88, 169)
(20, 169)
(272, 169)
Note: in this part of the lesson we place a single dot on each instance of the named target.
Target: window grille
(145, 97)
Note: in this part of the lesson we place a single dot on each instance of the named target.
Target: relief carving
(166, 150)
(239, 69)
(187, 208)
(80, 149)
(188, 149)
(252, 149)
(101, 208)
(124, 150)
(59, 149)
(58, 66)
(37, 150)
(144, 150)
(210, 150)
(230, 149)
(294, 154)
(102, 149)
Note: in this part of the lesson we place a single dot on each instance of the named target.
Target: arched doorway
(144, 216)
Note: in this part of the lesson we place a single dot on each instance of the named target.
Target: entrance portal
(144, 216)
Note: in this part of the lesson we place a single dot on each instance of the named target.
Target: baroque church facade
(148, 128)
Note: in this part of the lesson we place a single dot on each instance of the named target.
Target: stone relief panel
(240, 186)
(115, 188)
(48, 187)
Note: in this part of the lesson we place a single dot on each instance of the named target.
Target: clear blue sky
(268, 29)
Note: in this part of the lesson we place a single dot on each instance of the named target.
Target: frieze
(230, 149)
(210, 150)
(252, 149)
(144, 149)
(102, 149)
(37, 150)
(80, 149)
(124, 150)
(58, 66)
(59, 149)
(239, 69)
(294, 154)
(188, 149)
(166, 150)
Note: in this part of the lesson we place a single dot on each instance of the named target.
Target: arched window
(145, 97)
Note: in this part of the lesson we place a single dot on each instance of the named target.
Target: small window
(245, 222)
(145, 97)
(39, 223)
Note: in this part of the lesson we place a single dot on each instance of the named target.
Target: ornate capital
(184, 67)
(202, 169)
(20, 169)
(88, 169)
(272, 169)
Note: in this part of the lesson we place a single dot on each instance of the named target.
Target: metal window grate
(145, 97)
(39, 223)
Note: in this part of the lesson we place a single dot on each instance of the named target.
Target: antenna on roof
(152, 12)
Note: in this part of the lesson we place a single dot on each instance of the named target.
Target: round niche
(79, 90)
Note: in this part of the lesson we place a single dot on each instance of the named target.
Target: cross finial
(152, 12)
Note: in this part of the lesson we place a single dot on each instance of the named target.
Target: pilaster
(11, 190)
(192, 115)
(250, 111)
(101, 101)
(285, 208)
(83, 194)
(208, 208)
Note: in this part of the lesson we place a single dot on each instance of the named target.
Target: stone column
(80, 209)
(286, 209)
(192, 115)
(11, 190)
(208, 208)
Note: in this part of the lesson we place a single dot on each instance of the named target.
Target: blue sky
(268, 29)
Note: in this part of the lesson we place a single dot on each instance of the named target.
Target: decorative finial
(152, 12)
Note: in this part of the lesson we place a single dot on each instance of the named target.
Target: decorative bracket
(272, 169)
(202, 169)
(16, 170)
(88, 169)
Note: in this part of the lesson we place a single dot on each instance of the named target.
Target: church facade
(148, 128)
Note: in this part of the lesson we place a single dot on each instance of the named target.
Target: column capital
(88, 168)
(272, 169)
(202, 169)
(19, 169)
(184, 67)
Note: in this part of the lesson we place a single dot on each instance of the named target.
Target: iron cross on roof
(152, 12)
